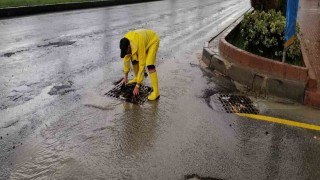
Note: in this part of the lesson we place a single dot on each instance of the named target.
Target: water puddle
(95, 100)
(40, 161)
(10, 115)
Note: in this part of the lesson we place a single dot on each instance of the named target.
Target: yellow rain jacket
(140, 41)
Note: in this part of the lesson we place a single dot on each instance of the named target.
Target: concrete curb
(262, 75)
(29, 10)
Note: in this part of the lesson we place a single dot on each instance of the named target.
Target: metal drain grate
(235, 104)
(124, 93)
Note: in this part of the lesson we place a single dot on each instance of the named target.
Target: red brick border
(265, 65)
(312, 98)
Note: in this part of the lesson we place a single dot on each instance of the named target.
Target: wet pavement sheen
(57, 123)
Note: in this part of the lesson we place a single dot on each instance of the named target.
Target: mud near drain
(61, 89)
(197, 177)
(58, 44)
(8, 54)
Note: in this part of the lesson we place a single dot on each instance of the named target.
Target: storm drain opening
(230, 103)
(124, 93)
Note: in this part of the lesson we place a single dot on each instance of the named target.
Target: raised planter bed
(262, 75)
(262, 64)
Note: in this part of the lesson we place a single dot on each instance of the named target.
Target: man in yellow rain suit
(140, 47)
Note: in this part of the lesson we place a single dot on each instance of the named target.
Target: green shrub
(263, 34)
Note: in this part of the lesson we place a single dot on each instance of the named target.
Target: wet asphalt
(57, 123)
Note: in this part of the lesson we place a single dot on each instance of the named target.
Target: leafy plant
(263, 34)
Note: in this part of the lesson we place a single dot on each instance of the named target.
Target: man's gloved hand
(136, 90)
(125, 79)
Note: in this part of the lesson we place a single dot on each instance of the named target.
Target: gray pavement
(78, 133)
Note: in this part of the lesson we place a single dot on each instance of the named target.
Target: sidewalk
(309, 21)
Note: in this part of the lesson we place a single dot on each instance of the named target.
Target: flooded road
(56, 122)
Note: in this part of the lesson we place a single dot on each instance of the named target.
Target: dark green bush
(263, 34)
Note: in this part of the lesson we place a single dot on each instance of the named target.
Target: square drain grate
(230, 103)
(124, 93)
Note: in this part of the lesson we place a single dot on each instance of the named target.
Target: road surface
(56, 122)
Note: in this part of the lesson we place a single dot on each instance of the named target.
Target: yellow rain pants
(144, 47)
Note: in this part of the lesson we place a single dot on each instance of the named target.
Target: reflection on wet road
(56, 122)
